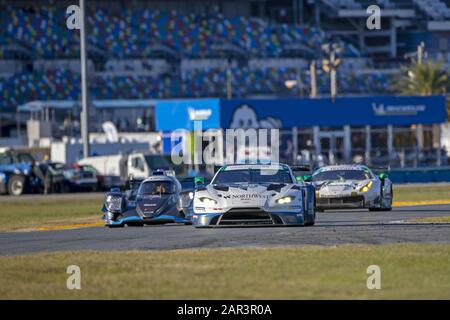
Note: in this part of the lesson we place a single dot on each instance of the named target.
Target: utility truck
(115, 170)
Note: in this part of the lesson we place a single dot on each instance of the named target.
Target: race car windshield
(156, 187)
(341, 175)
(253, 176)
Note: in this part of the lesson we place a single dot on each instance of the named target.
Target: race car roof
(342, 167)
(276, 166)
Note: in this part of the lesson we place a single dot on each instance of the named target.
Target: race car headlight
(208, 201)
(113, 203)
(110, 215)
(285, 200)
(191, 195)
(366, 187)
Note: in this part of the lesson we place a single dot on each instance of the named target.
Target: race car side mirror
(306, 178)
(382, 176)
(198, 181)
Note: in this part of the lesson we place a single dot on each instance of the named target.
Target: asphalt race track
(332, 228)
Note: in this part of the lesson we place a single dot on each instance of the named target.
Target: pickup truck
(19, 173)
(115, 170)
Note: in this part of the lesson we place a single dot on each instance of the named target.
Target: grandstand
(150, 49)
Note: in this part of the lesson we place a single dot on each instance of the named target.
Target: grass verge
(422, 192)
(30, 213)
(445, 219)
(408, 271)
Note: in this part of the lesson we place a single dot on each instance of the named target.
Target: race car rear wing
(380, 168)
(301, 169)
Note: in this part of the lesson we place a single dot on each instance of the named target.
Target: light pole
(330, 66)
(312, 77)
(228, 79)
(333, 85)
(84, 84)
(420, 52)
(299, 83)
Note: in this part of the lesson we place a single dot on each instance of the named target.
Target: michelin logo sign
(353, 111)
(245, 117)
(397, 110)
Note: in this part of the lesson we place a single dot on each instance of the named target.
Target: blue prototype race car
(151, 201)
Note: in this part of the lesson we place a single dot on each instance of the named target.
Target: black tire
(390, 207)
(16, 185)
(116, 226)
(380, 208)
(131, 224)
(311, 223)
(65, 188)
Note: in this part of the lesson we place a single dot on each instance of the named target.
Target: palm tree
(424, 79)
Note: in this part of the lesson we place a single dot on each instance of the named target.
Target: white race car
(351, 186)
(254, 194)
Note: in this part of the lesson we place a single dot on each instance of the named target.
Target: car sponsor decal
(250, 196)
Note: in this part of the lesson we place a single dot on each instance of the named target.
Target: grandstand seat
(128, 41)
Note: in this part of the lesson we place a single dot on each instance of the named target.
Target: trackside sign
(288, 113)
(356, 111)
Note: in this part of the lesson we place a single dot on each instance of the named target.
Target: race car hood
(151, 205)
(245, 195)
(340, 187)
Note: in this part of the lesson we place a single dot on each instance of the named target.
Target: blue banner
(354, 111)
(181, 114)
